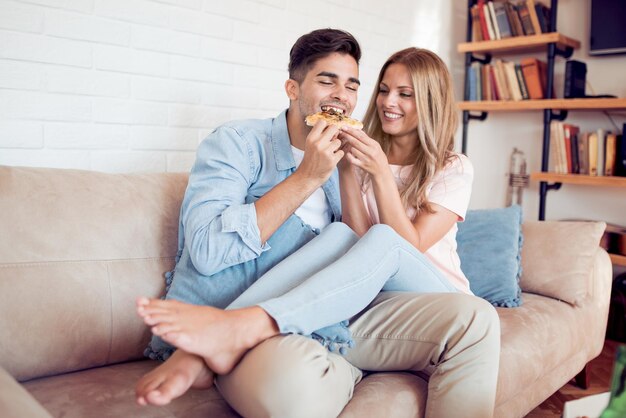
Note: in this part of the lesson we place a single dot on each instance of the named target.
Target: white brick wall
(134, 85)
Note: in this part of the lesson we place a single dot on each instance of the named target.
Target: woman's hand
(363, 152)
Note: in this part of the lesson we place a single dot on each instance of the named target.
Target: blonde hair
(437, 121)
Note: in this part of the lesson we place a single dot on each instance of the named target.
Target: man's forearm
(273, 209)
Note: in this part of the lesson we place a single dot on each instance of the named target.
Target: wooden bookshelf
(618, 260)
(558, 104)
(581, 179)
(519, 44)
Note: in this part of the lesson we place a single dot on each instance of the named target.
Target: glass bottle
(617, 404)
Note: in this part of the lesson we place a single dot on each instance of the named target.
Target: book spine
(524, 16)
(483, 20)
(492, 34)
(593, 154)
(521, 81)
(494, 22)
(583, 153)
(502, 20)
(534, 19)
(567, 141)
(620, 155)
(574, 151)
(609, 160)
(601, 147)
(509, 68)
(530, 69)
(516, 24)
(477, 34)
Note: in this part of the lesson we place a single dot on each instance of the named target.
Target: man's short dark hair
(318, 44)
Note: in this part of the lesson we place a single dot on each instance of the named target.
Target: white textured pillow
(558, 256)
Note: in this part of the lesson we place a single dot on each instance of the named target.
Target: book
(571, 150)
(583, 153)
(494, 87)
(553, 163)
(501, 80)
(477, 34)
(593, 153)
(511, 77)
(543, 14)
(522, 10)
(483, 21)
(609, 158)
(543, 79)
(485, 82)
(557, 145)
(620, 155)
(492, 17)
(488, 22)
(531, 70)
(521, 82)
(574, 132)
(534, 19)
(471, 82)
(601, 147)
(502, 20)
(514, 20)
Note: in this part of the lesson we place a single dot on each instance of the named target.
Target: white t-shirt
(315, 211)
(450, 188)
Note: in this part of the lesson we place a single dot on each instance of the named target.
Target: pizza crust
(333, 118)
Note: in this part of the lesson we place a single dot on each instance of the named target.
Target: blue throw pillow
(489, 245)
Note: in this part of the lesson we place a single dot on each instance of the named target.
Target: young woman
(403, 191)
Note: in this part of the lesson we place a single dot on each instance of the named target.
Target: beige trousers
(453, 338)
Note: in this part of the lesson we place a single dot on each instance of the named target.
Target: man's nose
(340, 93)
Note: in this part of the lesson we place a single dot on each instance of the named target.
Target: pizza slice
(333, 117)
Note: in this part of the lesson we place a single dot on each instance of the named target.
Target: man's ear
(292, 88)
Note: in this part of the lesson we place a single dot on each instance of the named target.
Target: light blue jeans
(336, 275)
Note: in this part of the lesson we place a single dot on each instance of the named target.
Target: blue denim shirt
(220, 253)
(236, 164)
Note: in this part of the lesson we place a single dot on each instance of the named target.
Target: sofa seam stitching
(118, 260)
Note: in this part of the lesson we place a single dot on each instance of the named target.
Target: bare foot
(220, 337)
(173, 378)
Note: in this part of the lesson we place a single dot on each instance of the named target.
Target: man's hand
(321, 153)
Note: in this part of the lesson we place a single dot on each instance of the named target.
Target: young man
(237, 221)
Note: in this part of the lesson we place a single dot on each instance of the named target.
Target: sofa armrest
(16, 402)
(558, 258)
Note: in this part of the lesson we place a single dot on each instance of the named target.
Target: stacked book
(597, 153)
(506, 80)
(503, 19)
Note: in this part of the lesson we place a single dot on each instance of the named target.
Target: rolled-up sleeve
(220, 228)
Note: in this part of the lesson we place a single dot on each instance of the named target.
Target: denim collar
(281, 144)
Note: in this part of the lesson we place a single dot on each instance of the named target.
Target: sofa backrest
(76, 249)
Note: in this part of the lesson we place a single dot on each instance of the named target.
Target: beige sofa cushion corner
(76, 249)
(557, 258)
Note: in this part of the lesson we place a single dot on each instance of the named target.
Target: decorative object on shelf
(575, 76)
(518, 178)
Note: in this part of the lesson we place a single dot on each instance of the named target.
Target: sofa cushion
(76, 249)
(571, 247)
(489, 243)
(109, 391)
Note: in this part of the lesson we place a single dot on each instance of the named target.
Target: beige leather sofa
(77, 247)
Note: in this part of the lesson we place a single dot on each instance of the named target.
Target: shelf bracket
(481, 117)
(560, 116)
(553, 186)
(485, 60)
(565, 53)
